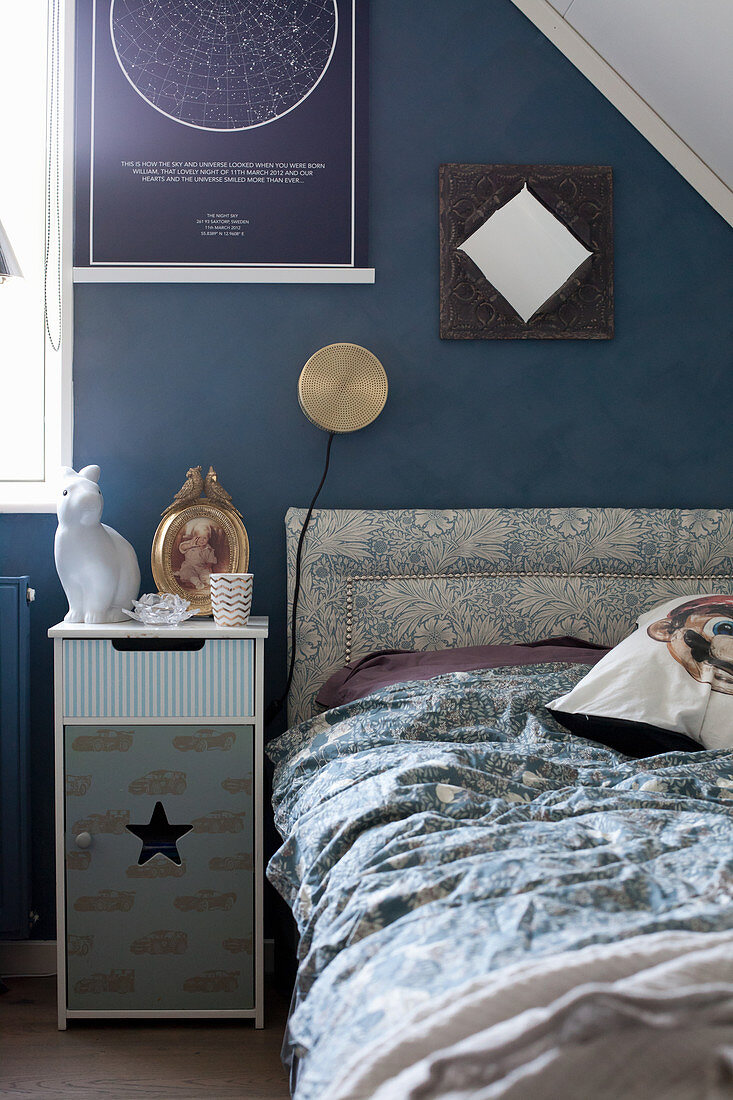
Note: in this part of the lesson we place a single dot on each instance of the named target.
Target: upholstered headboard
(414, 579)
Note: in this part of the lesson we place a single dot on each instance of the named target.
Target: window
(35, 439)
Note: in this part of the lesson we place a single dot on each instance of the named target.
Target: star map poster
(220, 134)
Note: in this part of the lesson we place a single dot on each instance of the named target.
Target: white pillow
(674, 673)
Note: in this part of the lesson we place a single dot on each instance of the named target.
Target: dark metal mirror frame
(581, 196)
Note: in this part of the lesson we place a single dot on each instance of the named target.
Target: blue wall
(170, 376)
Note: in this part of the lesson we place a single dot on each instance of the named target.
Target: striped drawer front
(102, 682)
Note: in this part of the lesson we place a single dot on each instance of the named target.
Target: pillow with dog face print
(668, 686)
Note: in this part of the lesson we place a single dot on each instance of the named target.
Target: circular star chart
(224, 64)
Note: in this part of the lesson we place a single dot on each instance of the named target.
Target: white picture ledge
(224, 275)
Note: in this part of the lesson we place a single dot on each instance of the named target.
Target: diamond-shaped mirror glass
(525, 252)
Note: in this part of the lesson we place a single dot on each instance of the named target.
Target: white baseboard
(34, 958)
(27, 957)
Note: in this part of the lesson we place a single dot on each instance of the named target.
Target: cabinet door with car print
(159, 844)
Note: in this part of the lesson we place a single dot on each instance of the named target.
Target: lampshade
(342, 388)
(9, 265)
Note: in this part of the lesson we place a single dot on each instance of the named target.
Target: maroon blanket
(393, 666)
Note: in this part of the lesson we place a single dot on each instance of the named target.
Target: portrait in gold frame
(198, 536)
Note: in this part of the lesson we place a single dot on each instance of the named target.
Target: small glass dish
(160, 609)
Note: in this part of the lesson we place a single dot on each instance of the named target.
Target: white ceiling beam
(631, 105)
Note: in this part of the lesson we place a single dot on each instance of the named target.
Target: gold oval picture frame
(192, 542)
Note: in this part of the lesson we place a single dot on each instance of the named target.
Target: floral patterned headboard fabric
(414, 579)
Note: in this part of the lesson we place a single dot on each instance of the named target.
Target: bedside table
(159, 820)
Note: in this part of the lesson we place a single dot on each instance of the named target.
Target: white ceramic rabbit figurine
(97, 567)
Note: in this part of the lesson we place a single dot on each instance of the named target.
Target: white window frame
(40, 496)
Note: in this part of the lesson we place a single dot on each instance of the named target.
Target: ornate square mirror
(526, 252)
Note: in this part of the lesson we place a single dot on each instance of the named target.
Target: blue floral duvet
(436, 831)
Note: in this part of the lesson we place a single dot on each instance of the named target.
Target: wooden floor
(111, 1060)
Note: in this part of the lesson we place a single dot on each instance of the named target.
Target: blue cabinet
(14, 738)
(159, 816)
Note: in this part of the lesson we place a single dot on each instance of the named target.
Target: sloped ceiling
(667, 65)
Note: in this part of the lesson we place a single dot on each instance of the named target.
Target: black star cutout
(159, 836)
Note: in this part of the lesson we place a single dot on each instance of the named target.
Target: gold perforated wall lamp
(342, 388)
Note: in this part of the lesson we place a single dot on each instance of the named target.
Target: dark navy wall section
(26, 546)
(169, 376)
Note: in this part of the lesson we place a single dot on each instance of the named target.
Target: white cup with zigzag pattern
(231, 598)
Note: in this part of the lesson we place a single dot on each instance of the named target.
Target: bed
(488, 905)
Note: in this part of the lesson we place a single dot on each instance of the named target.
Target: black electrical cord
(276, 705)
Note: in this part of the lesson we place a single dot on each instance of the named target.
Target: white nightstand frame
(257, 629)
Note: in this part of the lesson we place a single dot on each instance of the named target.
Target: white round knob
(84, 840)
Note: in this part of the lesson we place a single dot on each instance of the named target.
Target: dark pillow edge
(636, 739)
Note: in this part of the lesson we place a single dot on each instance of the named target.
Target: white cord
(53, 175)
